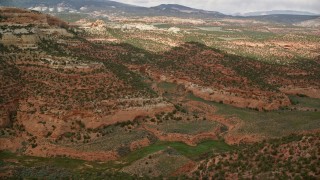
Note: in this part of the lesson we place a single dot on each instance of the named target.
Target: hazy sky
(233, 6)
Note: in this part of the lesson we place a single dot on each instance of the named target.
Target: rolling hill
(85, 8)
(145, 96)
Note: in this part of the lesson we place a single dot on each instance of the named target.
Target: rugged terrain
(158, 96)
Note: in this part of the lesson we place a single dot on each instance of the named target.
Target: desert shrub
(48, 134)
(123, 150)
(81, 124)
(69, 134)
(301, 95)
(152, 138)
(34, 145)
(223, 128)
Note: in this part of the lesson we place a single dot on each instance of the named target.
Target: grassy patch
(230, 38)
(271, 124)
(305, 102)
(204, 147)
(162, 25)
(79, 165)
(31, 161)
(218, 29)
(182, 148)
(167, 86)
(6, 155)
(189, 127)
(115, 138)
